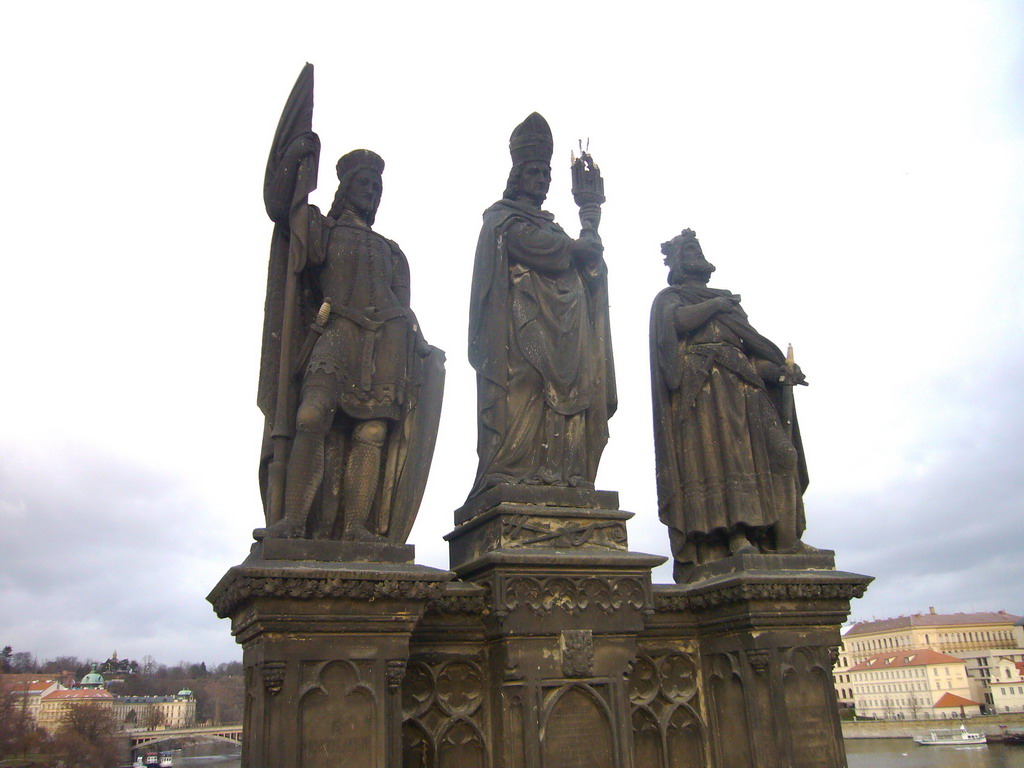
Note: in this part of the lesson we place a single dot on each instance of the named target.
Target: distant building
(56, 704)
(47, 702)
(979, 639)
(177, 711)
(28, 695)
(1007, 686)
(952, 633)
(914, 684)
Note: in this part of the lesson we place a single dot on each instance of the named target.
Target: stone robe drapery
(723, 457)
(539, 342)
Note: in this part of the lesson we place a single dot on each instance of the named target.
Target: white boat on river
(958, 737)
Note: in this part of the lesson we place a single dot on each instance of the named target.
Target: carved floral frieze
(245, 587)
(573, 594)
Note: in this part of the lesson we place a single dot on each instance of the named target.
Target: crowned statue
(730, 464)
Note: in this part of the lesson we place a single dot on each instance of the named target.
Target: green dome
(185, 692)
(93, 680)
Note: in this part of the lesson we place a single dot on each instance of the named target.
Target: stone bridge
(232, 733)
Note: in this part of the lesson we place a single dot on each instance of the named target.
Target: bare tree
(16, 726)
(153, 718)
(88, 737)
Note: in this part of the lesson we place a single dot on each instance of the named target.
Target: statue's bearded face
(534, 180)
(685, 258)
(363, 193)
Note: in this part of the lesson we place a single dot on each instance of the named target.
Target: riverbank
(901, 729)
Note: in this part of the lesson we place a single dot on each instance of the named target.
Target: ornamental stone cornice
(811, 586)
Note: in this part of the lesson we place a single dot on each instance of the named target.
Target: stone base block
(325, 648)
(334, 551)
(766, 638)
(537, 495)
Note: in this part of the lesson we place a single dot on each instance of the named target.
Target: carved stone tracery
(663, 691)
(442, 708)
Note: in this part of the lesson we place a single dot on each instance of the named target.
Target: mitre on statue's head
(531, 140)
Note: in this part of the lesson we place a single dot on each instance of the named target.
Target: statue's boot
(739, 544)
(788, 543)
(362, 474)
(282, 529)
(305, 471)
(787, 540)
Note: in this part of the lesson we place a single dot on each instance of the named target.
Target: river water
(211, 754)
(860, 753)
(890, 753)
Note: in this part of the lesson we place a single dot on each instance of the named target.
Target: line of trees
(23, 662)
(218, 688)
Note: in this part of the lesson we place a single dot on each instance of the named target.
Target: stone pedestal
(326, 643)
(551, 650)
(767, 632)
(565, 605)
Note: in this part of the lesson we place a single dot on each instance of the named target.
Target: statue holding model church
(538, 328)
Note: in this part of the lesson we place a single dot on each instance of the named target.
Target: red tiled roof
(911, 658)
(931, 620)
(952, 700)
(84, 693)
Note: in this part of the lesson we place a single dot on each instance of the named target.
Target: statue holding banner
(730, 464)
(350, 388)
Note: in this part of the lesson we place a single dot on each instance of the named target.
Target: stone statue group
(352, 392)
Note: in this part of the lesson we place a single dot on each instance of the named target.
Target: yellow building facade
(978, 639)
(1007, 686)
(916, 684)
(55, 705)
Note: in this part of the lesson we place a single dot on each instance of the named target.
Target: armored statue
(730, 463)
(350, 389)
(538, 328)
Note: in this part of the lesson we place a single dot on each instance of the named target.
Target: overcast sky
(856, 172)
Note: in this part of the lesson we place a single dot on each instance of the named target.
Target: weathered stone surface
(350, 389)
(325, 649)
(539, 337)
(322, 550)
(539, 496)
(765, 639)
(730, 463)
